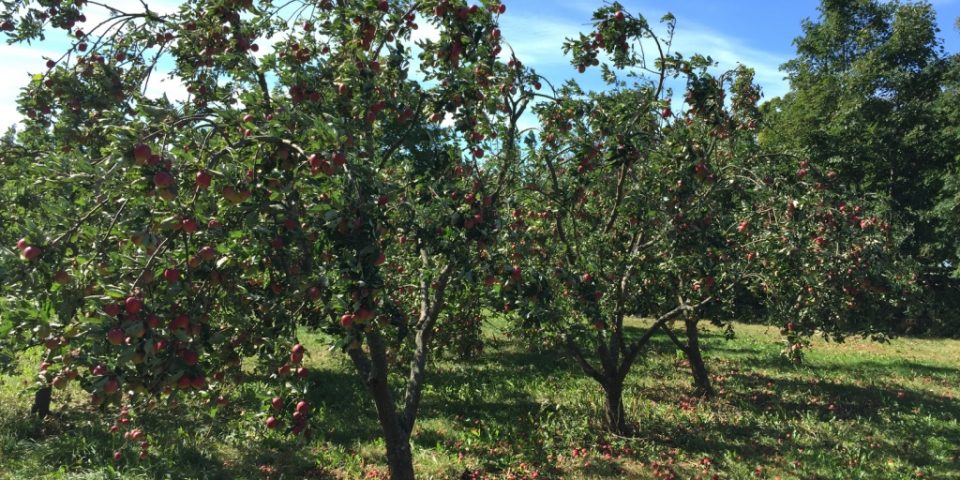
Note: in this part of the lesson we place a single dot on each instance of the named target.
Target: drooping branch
(577, 355)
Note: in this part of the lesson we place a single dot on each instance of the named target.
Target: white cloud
(538, 43)
(729, 51)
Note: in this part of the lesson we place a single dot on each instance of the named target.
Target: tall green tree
(864, 89)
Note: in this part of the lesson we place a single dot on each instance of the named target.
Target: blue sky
(756, 33)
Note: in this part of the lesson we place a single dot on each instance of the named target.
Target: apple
(61, 277)
(190, 357)
(30, 253)
(587, 278)
(381, 259)
(272, 422)
(133, 305)
(302, 407)
(203, 179)
(162, 180)
(276, 403)
(141, 153)
(111, 386)
(59, 382)
(111, 309)
(346, 320)
(620, 16)
(313, 293)
(302, 372)
(198, 382)
(189, 225)
(666, 112)
(298, 348)
(22, 244)
(362, 315)
(117, 456)
(171, 275)
(115, 336)
(180, 322)
(183, 383)
(516, 273)
(207, 253)
(744, 225)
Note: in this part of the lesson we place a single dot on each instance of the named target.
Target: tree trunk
(615, 418)
(701, 378)
(374, 372)
(41, 402)
(399, 457)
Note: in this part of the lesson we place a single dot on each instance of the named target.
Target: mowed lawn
(854, 410)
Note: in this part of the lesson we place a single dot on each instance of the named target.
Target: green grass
(854, 410)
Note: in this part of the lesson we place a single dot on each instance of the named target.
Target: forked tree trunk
(399, 454)
(615, 418)
(701, 378)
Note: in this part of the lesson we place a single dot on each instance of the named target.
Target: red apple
(61, 277)
(162, 180)
(111, 386)
(141, 153)
(302, 407)
(346, 320)
(189, 357)
(171, 275)
(180, 322)
(189, 225)
(272, 422)
(133, 305)
(276, 403)
(207, 253)
(203, 179)
(111, 309)
(30, 253)
(22, 244)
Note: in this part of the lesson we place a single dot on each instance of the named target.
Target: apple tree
(329, 168)
(628, 208)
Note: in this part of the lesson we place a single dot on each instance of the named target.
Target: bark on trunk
(374, 371)
(701, 378)
(399, 458)
(41, 402)
(615, 418)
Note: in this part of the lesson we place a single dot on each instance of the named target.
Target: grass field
(857, 410)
